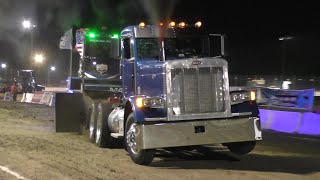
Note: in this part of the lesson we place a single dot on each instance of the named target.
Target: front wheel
(139, 156)
(241, 148)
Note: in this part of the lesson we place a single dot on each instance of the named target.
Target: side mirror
(217, 44)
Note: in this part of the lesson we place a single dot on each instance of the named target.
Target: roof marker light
(182, 25)
(198, 24)
(142, 25)
(92, 35)
(172, 24)
(161, 23)
(115, 36)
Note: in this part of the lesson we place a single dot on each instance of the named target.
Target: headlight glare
(241, 96)
(153, 102)
(149, 102)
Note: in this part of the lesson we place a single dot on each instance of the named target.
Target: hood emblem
(102, 68)
(196, 62)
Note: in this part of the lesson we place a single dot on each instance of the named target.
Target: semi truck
(163, 86)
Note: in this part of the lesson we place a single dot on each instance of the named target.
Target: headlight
(153, 102)
(243, 96)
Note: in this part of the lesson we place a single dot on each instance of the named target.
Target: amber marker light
(198, 24)
(252, 95)
(139, 102)
(182, 25)
(142, 25)
(172, 24)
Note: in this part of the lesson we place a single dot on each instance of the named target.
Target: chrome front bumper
(200, 132)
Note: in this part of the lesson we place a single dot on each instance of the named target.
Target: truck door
(127, 67)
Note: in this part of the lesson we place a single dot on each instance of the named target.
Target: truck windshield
(98, 49)
(174, 47)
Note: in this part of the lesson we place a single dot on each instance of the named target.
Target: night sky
(252, 28)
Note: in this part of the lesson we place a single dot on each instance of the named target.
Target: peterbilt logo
(102, 68)
(196, 62)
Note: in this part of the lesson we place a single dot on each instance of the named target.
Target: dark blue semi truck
(167, 87)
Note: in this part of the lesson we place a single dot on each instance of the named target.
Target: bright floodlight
(3, 65)
(39, 58)
(53, 68)
(26, 24)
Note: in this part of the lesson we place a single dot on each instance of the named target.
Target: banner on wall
(301, 99)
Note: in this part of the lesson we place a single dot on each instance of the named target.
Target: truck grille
(198, 90)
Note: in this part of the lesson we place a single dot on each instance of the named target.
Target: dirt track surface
(30, 147)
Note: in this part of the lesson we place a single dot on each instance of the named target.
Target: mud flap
(70, 111)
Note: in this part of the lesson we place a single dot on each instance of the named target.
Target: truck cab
(176, 93)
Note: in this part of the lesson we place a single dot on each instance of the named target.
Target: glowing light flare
(92, 35)
(252, 95)
(182, 25)
(172, 24)
(39, 58)
(139, 102)
(142, 24)
(198, 24)
(53, 68)
(161, 24)
(26, 24)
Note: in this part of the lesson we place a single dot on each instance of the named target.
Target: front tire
(241, 148)
(103, 133)
(139, 156)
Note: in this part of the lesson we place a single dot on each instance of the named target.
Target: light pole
(4, 67)
(26, 24)
(36, 65)
(284, 46)
(52, 69)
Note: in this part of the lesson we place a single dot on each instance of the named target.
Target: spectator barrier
(39, 97)
(307, 123)
(290, 111)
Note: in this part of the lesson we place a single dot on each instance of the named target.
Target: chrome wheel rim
(131, 138)
(99, 125)
(91, 126)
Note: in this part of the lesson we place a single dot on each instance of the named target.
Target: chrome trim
(115, 120)
(162, 135)
(241, 114)
(156, 119)
(257, 128)
(187, 63)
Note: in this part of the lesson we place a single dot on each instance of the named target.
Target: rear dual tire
(92, 121)
(103, 133)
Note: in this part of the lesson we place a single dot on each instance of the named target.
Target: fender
(138, 112)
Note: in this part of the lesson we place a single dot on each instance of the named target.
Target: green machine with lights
(99, 60)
